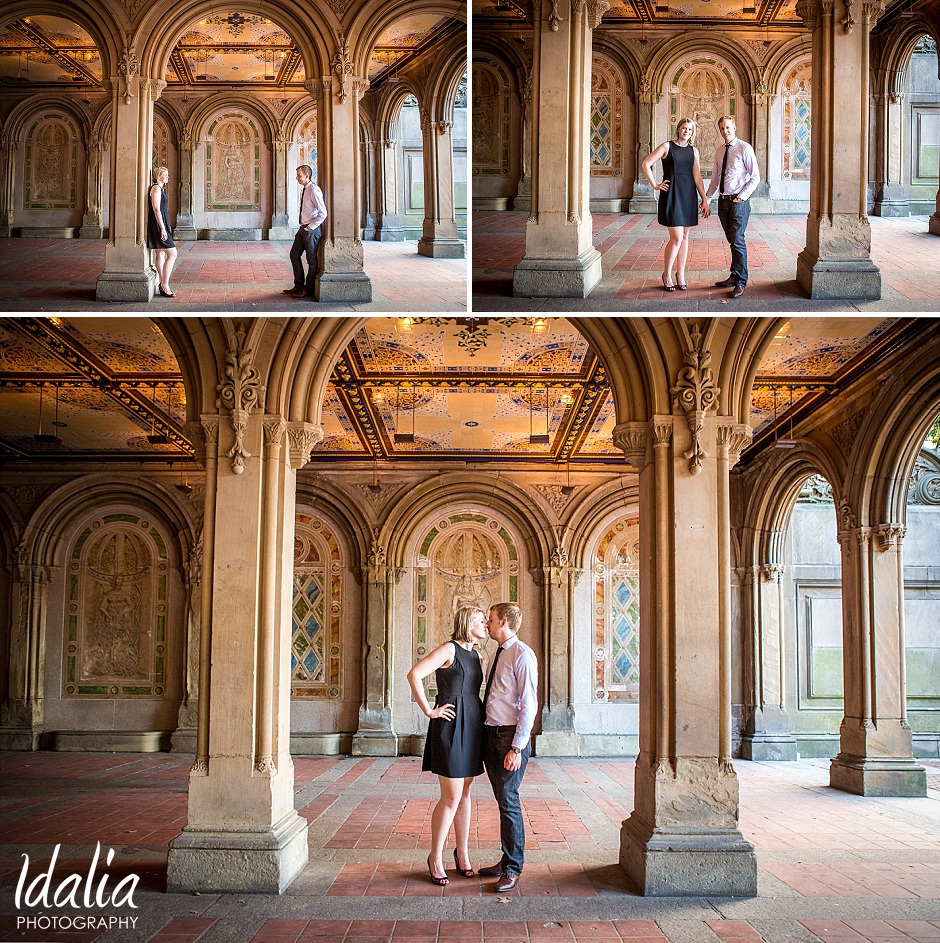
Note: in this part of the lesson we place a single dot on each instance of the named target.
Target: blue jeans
(734, 217)
(497, 741)
(306, 242)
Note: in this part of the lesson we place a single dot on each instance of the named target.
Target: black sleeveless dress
(678, 206)
(454, 747)
(153, 227)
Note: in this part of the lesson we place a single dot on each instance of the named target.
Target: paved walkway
(833, 867)
(632, 256)
(60, 275)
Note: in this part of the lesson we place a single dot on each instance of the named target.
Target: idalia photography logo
(73, 892)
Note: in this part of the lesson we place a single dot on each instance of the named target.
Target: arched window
(606, 118)
(160, 147)
(797, 120)
(307, 143)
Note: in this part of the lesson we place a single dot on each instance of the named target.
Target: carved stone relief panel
(617, 614)
(51, 163)
(233, 163)
(466, 559)
(491, 118)
(116, 633)
(316, 611)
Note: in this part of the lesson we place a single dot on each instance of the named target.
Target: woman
(159, 234)
(682, 176)
(453, 748)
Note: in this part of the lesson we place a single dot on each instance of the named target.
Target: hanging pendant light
(47, 439)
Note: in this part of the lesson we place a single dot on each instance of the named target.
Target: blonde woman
(159, 233)
(678, 212)
(453, 749)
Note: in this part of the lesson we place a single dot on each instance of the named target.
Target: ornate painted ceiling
(413, 389)
(48, 50)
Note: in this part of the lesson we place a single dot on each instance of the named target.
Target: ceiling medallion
(473, 334)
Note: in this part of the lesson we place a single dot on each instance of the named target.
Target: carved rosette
(632, 438)
(737, 437)
(890, 534)
(240, 391)
(301, 438)
(695, 394)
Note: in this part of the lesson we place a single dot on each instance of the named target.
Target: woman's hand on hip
(444, 712)
(662, 186)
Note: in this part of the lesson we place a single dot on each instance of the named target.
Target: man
(306, 240)
(735, 177)
(509, 705)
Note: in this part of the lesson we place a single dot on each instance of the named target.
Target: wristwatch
(516, 750)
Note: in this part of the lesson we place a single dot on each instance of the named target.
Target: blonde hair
(463, 619)
(510, 612)
(727, 118)
(682, 123)
(158, 171)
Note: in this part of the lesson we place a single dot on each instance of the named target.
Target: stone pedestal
(644, 196)
(439, 239)
(890, 199)
(560, 259)
(836, 263)
(768, 737)
(882, 776)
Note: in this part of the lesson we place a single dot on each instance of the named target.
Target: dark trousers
(497, 741)
(306, 242)
(734, 217)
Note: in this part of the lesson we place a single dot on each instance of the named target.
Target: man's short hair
(306, 170)
(510, 612)
(726, 118)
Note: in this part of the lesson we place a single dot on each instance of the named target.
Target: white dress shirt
(514, 696)
(741, 175)
(312, 208)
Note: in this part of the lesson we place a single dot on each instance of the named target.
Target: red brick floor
(60, 274)
(632, 252)
(832, 867)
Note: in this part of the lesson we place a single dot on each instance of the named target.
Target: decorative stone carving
(339, 7)
(376, 550)
(925, 480)
(889, 534)
(240, 391)
(559, 557)
(556, 496)
(596, 10)
(24, 496)
(847, 519)
(128, 69)
(553, 18)
(845, 433)
(301, 438)
(848, 21)
(631, 438)
(695, 393)
(771, 572)
(342, 66)
(274, 427)
(737, 437)
(808, 12)
(872, 10)
(816, 490)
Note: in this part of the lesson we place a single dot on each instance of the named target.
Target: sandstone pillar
(875, 745)
(934, 223)
(644, 197)
(127, 274)
(21, 717)
(91, 221)
(390, 226)
(439, 239)
(185, 229)
(558, 580)
(184, 737)
(761, 103)
(523, 200)
(280, 221)
(890, 196)
(341, 276)
(560, 260)
(8, 148)
(682, 837)
(370, 188)
(836, 262)
(767, 735)
(375, 736)
(243, 833)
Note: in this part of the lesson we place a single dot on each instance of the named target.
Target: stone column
(767, 735)
(560, 259)
(876, 755)
(243, 833)
(558, 580)
(644, 197)
(682, 837)
(185, 229)
(934, 223)
(280, 221)
(523, 200)
(341, 276)
(127, 274)
(376, 736)
(389, 227)
(439, 239)
(185, 736)
(761, 103)
(21, 717)
(91, 221)
(8, 149)
(890, 196)
(836, 262)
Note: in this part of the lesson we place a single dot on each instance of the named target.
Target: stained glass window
(797, 121)
(606, 118)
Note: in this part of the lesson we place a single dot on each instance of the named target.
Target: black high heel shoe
(466, 872)
(440, 882)
(667, 287)
(167, 294)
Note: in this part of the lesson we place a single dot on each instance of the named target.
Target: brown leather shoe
(491, 871)
(293, 291)
(737, 291)
(726, 283)
(508, 882)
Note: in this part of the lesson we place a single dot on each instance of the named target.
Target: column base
(884, 776)
(20, 739)
(642, 205)
(442, 248)
(124, 286)
(91, 232)
(375, 743)
(557, 278)
(262, 861)
(767, 747)
(280, 234)
(933, 227)
(855, 280)
(183, 740)
(344, 286)
(688, 862)
(558, 743)
(390, 234)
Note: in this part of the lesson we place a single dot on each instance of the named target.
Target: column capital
(596, 10)
(274, 427)
(632, 438)
(301, 438)
(771, 572)
(890, 534)
(734, 436)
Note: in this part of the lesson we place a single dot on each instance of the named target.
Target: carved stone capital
(661, 429)
(734, 436)
(872, 11)
(274, 427)
(314, 86)
(301, 438)
(210, 430)
(632, 438)
(695, 393)
(808, 12)
(771, 572)
(890, 534)
(596, 10)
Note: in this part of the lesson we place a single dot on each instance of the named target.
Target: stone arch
(441, 89)
(493, 128)
(589, 516)
(795, 95)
